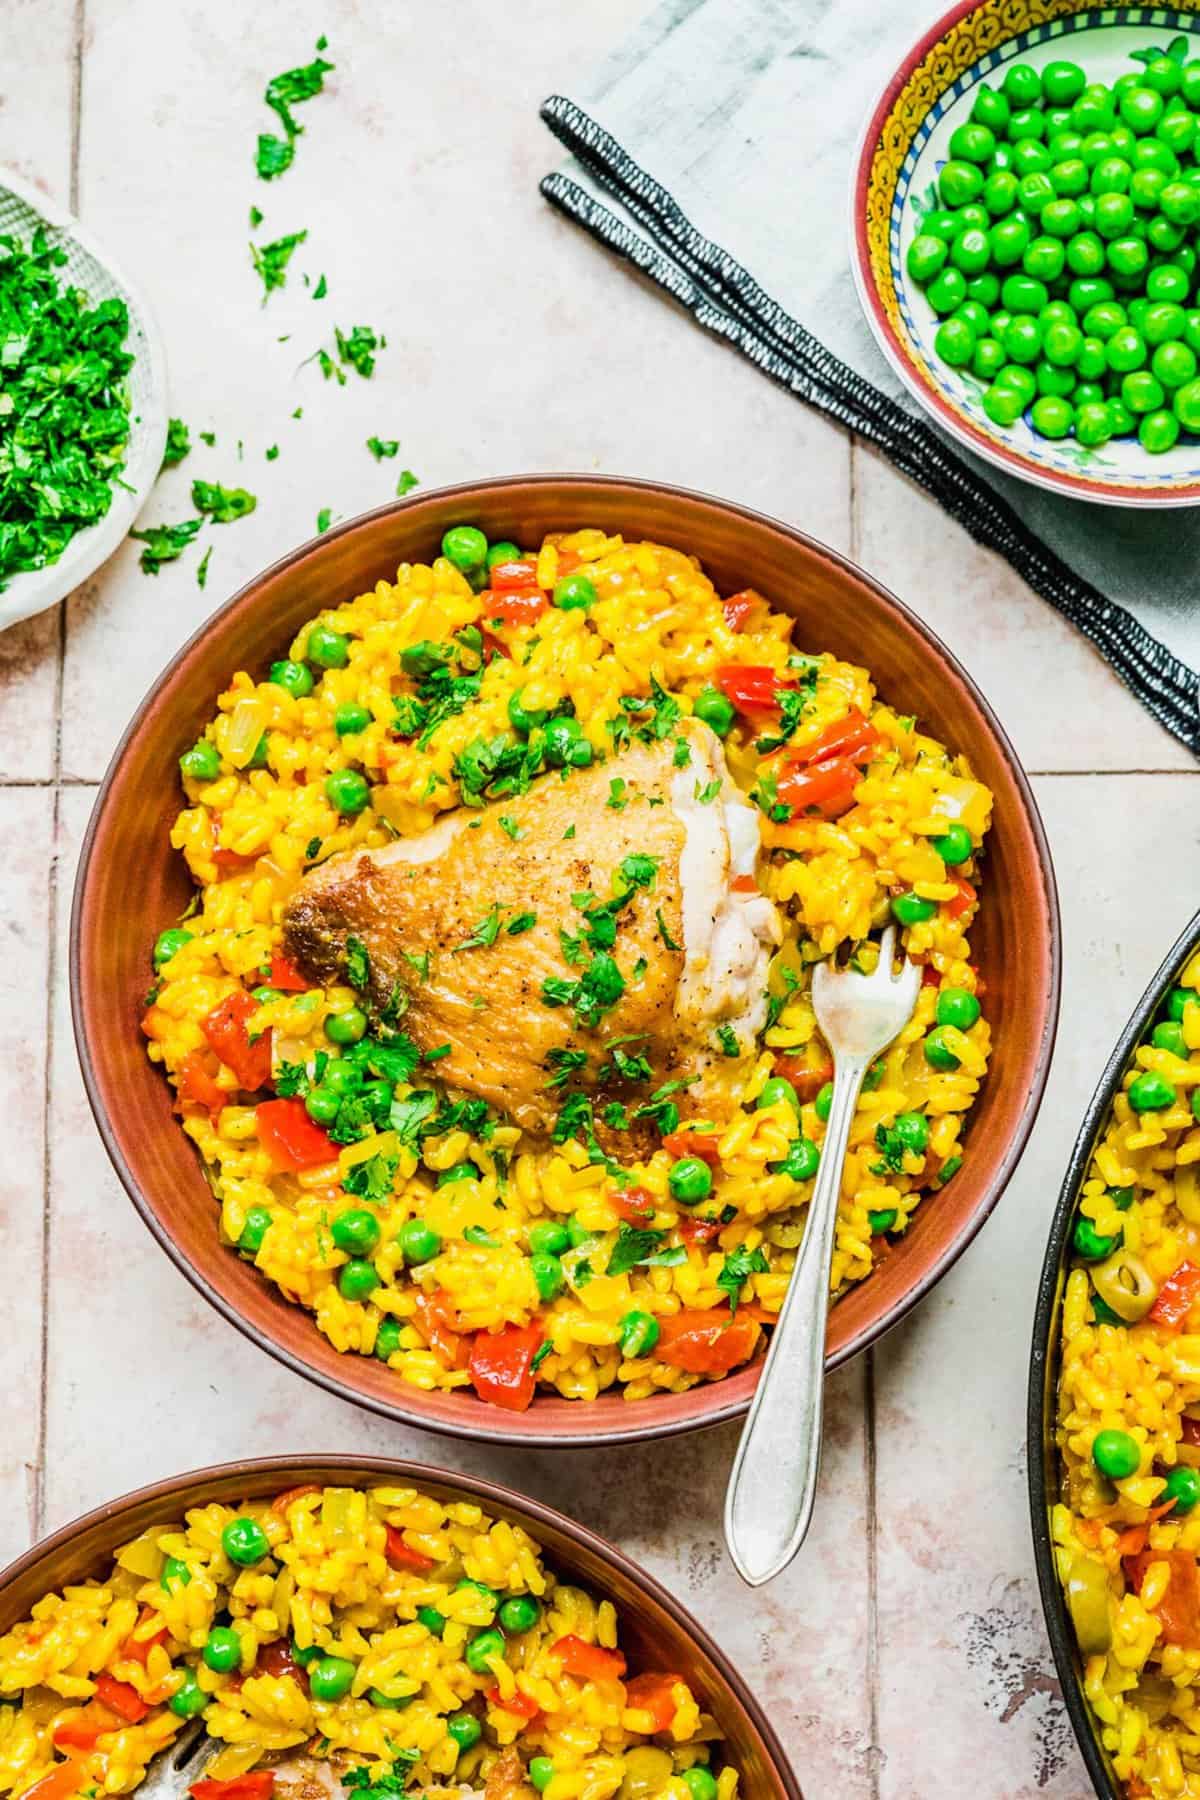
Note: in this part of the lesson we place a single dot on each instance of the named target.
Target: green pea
(775, 1089)
(959, 182)
(823, 1104)
(202, 762)
(464, 1729)
(938, 1053)
(347, 791)
(1168, 282)
(189, 1697)
(1061, 345)
(639, 1334)
(419, 1243)
(970, 251)
(503, 553)
(1180, 203)
(714, 710)
(1103, 320)
(990, 108)
(1127, 258)
(466, 548)
(346, 1027)
(1158, 432)
(984, 289)
(548, 1238)
(1169, 1036)
(1186, 404)
(175, 1572)
(322, 1104)
(1141, 108)
(802, 1161)
(1003, 405)
(1062, 82)
(1111, 175)
(1164, 322)
(1141, 392)
(1183, 1487)
(1150, 1092)
(519, 1614)
(293, 677)
(1092, 425)
(222, 1650)
(973, 142)
(1113, 215)
(1145, 188)
(913, 1131)
(1022, 85)
(244, 1542)
(331, 1678)
(700, 1783)
(482, 1650)
(563, 736)
(548, 1275)
(957, 1007)
(577, 1234)
(942, 223)
(350, 718)
(954, 342)
(357, 1279)
(1126, 350)
(389, 1702)
(433, 1620)
(1121, 420)
(911, 909)
(1116, 1454)
(575, 593)
(690, 1180)
(168, 944)
(523, 718)
(356, 1231)
(1121, 1197)
(947, 290)
(1062, 219)
(541, 1772)
(1044, 258)
(1177, 1002)
(1023, 338)
(989, 358)
(1174, 365)
(387, 1338)
(254, 1229)
(327, 648)
(1090, 1245)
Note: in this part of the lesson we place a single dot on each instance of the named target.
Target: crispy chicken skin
(692, 951)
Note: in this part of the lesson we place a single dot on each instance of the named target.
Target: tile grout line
(874, 1750)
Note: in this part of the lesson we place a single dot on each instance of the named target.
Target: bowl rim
(492, 1494)
(1042, 1456)
(506, 1428)
(972, 437)
(34, 590)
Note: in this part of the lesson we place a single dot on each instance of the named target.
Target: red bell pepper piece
(1176, 1297)
(1178, 1612)
(401, 1555)
(120, 1697)
(589, 1662)
(654, 1694)
(752, 687)
(826, 788)
(706, 1343)
(290, 1138)
(738, 607)
(61, 1781)
(196, 1084)
(501, 1365)
(281, 1502)
(807, 1080)
(693, 1143)
(276, 1659)
(137, 1649)
(493, 646)
(516, 577)
(633, 1204)
(930, 977)
(852, 737)
(78, 1734)
(257, 1784)
(227, 1029)
(522, 1706)
(438, 1323)
(285, 975)
(699, 1231)
(963, 900)
(516, 607)
(744, 884)
(1189, 1431)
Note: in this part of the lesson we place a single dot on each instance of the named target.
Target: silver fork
(183, 1761)
(769, 1501)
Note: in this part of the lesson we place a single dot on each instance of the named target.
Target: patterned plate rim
(964, 431)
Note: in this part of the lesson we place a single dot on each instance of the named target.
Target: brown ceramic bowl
(656, 1632)
(131, 882)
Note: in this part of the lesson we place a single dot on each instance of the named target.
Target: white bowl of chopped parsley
(83, 412)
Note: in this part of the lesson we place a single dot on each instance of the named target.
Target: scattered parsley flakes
(358, 348)
(273, 154)
(407, 482)
(738, 1268)
(616, 794)
(728, 1041)
(541, 1353)
(324, 518)
(707, 793)
(663, 933)
(632, 1247)
(639, 869)
(164, 543)
(179, 442)
(371, 1179)
(271, 260)
(522, 922)
(223, 505)
(299, 413)
(437, 1053)
(568, 833)
(484, 934)
(202, 569)
(256, 218)
(683, 754)
(419, 963)
(381, 447)
(272, 452)
(358, 964)
(312, 848)
(321, 289)
(509, 826)
(208, 437)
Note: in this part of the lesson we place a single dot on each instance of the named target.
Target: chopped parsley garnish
(728, 1041)
(891, 1147)
(64, 405)
(739, 1266)
(616, 1116)
(273, 154)
(510, 826)
(272, 452)
(372, 1178)
(707, 793)
(663, 711)
(164, 544)
(419, 963)
(521, 922)
(208, 437)
(407, 482)
(484, 934)
(627, 1067)
(663, 933)
(321, 289)
(639, 870)
(776, 1002)
(568, 833)
(793, 704)
(358, 964)
(573, 947)
(475, 1234)
(389, 1785)
(541, 1353)
(271, 260)
(312, 848)
(632, 1247)
(598, 988)
(324, 519)
(291, 1079)
(223, 505)
(358, 348)
(616, 794)
(179, 442)
(202, 569)
(661, 1109)
(683, 753)
(381, 447)
(256, 218)
(564, 1063)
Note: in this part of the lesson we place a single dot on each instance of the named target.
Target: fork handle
(769, 1500)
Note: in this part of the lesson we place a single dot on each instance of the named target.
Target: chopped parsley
(707, 793)
(627, 1067)
(510, 826)
(202, 569)
(312, 848)
(632, 1247)
(272, 452)
(661, 1109)
(541, 1353)
(793, 704)
(738, 1268)
(223, 505)
(381, 447)
(639, 870)
(179, 442)
(273, 154)
(208, 437)
(358, 348)
(564, 1063)
(728, 1041)
(64, 405)
(790, 979)
(483, 935)
(256, 218)
(389, 1785)
(164, 544)
(598, 988)
(372, 1178)
(419, 963)
(358, 964)
(324, 519)
(616, 794)
(663, 933)
(683, 753)
(407, 482)
(321, 289)
(271, 260)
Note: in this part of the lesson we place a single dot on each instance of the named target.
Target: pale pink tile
(1056, 697)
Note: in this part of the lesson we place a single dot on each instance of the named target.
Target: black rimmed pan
(1044, 1366)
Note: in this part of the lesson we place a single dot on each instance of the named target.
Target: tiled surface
(902, 1656)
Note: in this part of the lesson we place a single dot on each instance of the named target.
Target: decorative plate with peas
(1026, 236)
